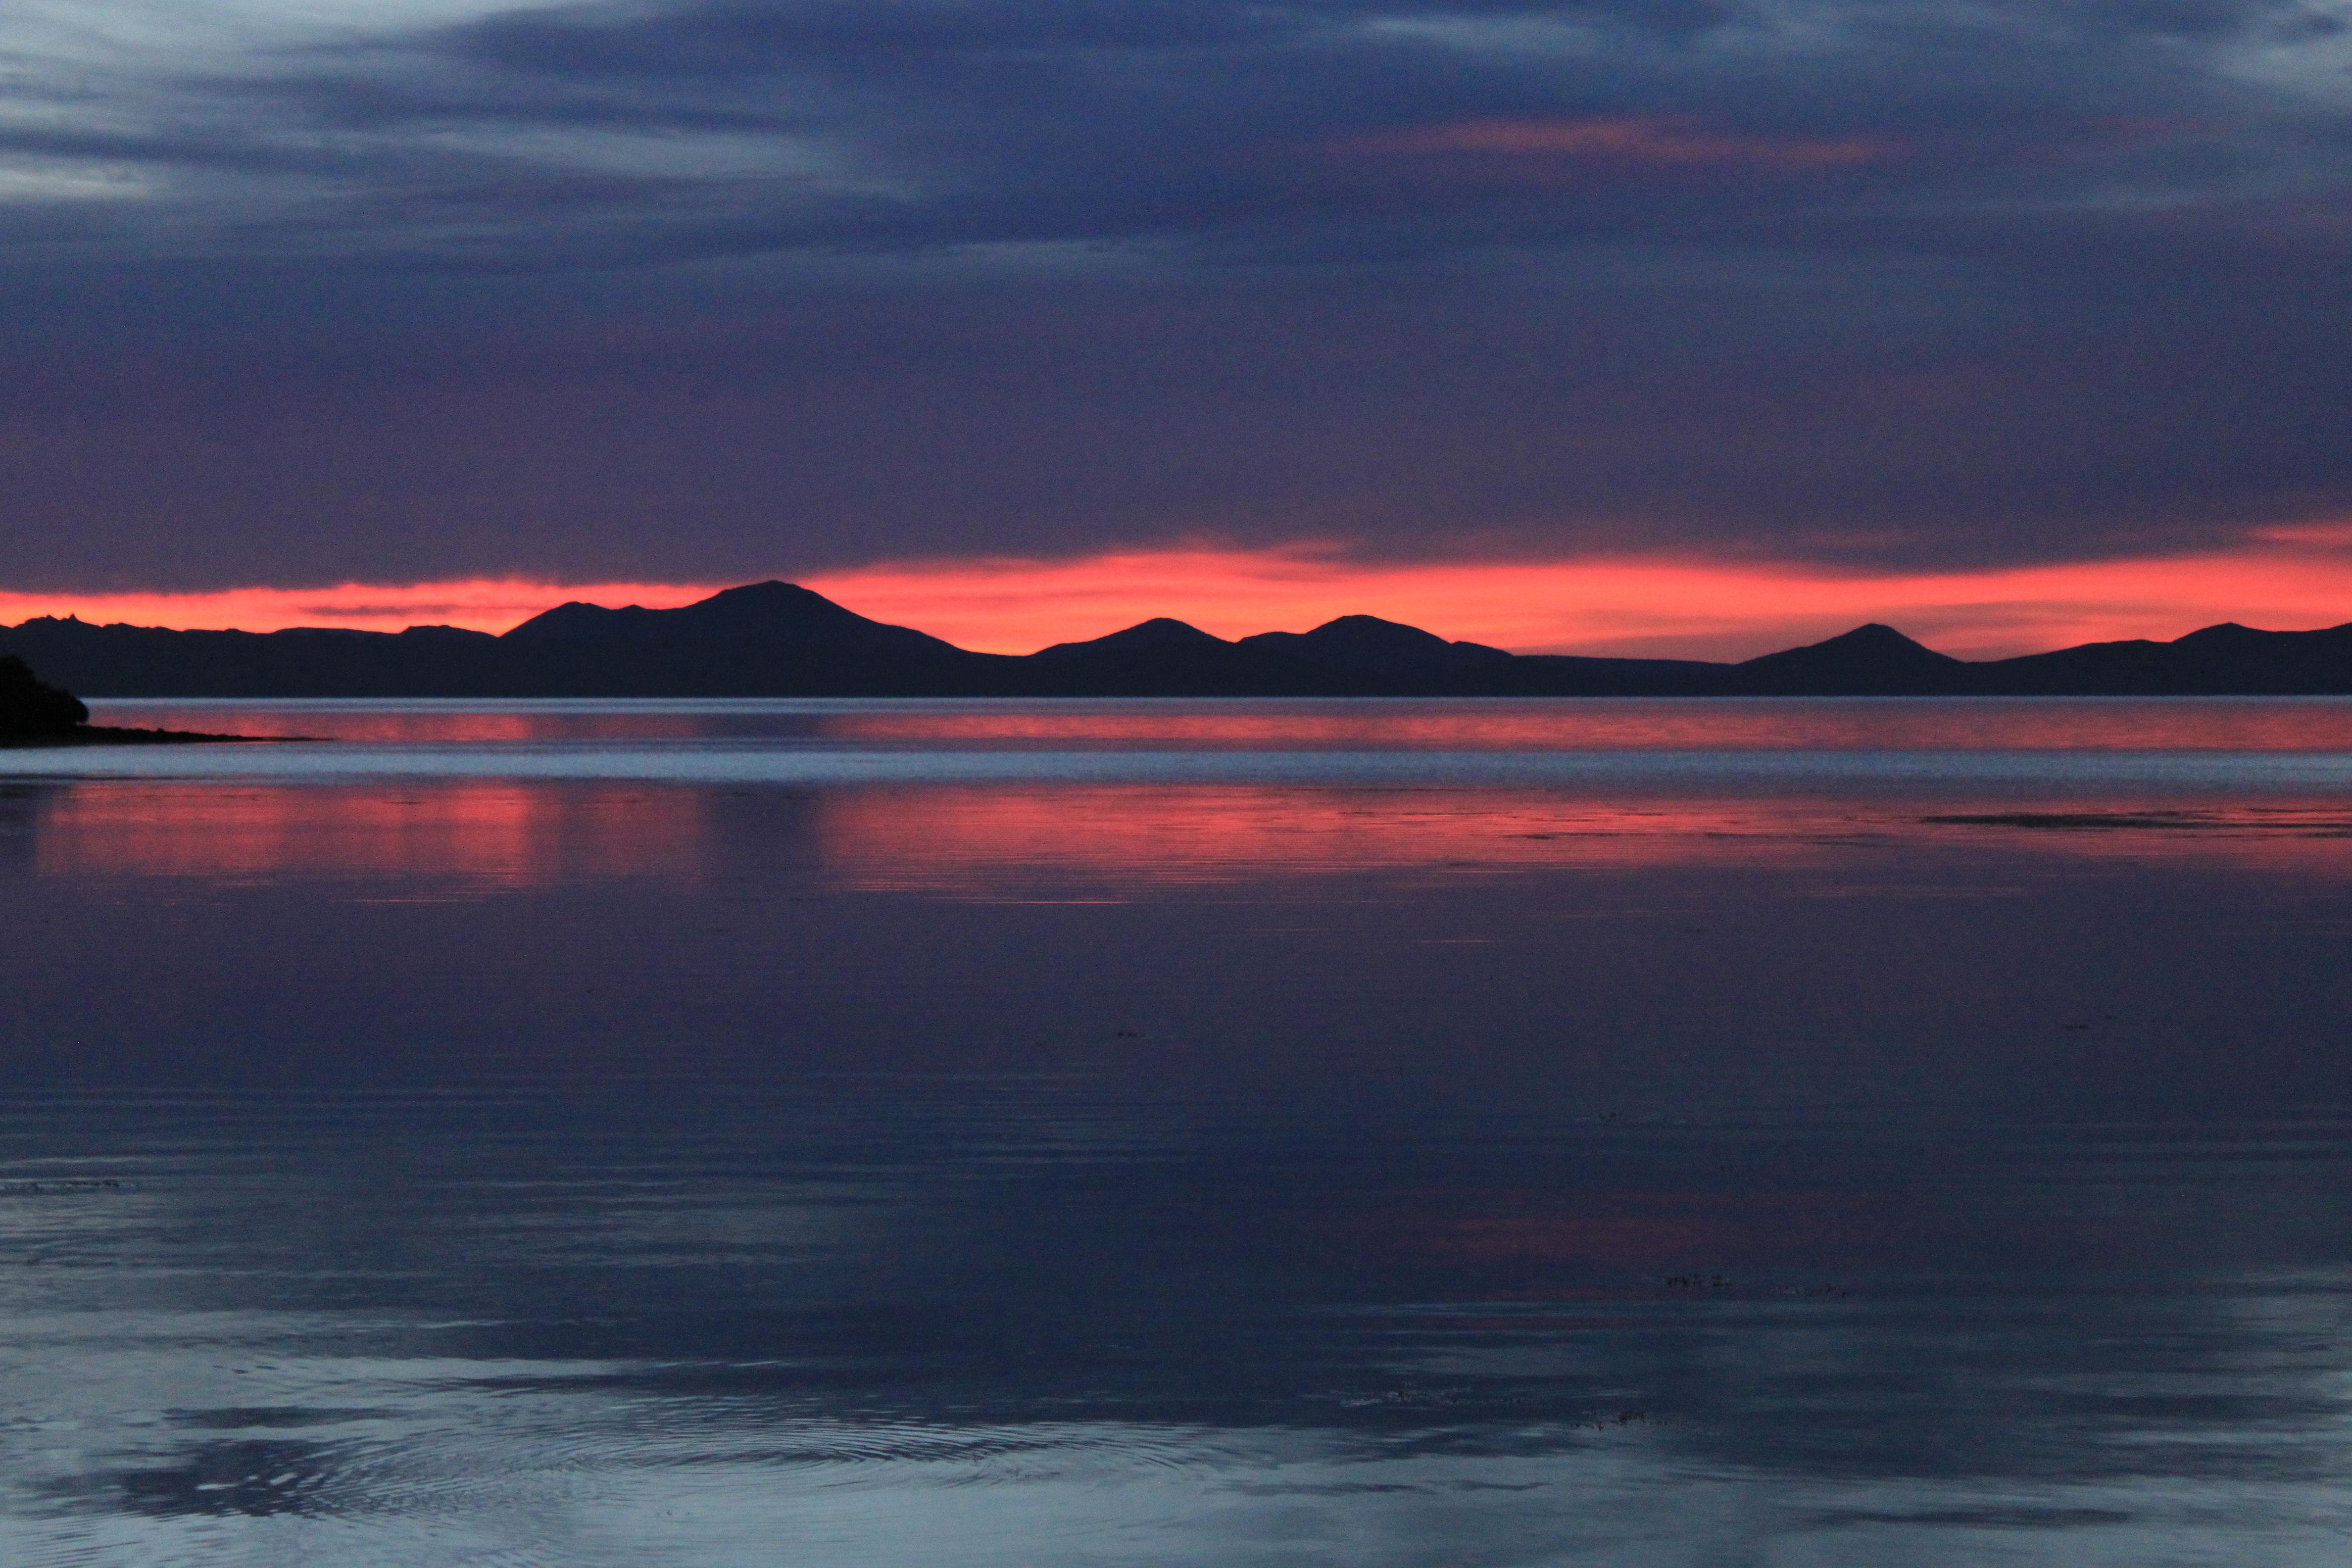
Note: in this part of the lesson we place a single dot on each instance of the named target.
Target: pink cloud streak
(1678, 142)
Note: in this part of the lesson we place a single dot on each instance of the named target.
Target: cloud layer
(315, 292)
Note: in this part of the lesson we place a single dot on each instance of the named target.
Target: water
(1249, 1132)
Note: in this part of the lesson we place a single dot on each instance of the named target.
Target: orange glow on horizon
(1663, 606)
(1656, 605)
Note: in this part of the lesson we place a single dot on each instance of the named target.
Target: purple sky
(306, 292)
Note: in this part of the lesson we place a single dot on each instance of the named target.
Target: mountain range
(775, 640)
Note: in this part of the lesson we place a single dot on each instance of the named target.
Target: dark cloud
(720, 288)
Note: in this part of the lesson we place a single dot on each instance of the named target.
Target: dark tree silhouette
(30, 706)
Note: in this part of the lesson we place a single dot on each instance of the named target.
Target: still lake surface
(1256, 1133)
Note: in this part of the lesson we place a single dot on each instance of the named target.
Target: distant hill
(776, 639)
(766, 639)
(1164, 658)
(2224, 660)
(1369, 648)
(781, 614)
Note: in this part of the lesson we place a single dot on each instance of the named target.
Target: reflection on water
(1009, 840)
(2224, 724)
(496, 834)
(1370, 1168)
(976, 841)
(19, 808)
(1001, 840)
(889, 1328)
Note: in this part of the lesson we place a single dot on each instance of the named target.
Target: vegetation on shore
(35, 713)
(31, 708)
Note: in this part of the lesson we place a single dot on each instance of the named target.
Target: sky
(1668, 326)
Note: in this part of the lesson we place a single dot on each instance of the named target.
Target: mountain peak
(1871, 636)
(771, 597)
(1160, 631)
(2222, 632)
(1871, 659)
(1875, 634)
(1373, 625)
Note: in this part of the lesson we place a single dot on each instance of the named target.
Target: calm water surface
(1448, 1133)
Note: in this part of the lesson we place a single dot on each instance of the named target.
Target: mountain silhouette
(1165, 657)
(1387, 652)
(1870, 660)
(2222, 661)
(777, 639)
(774, 613)
(1160, 632)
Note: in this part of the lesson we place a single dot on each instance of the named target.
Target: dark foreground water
(1227, 1133)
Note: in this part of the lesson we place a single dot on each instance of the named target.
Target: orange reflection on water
(498, 834)
(1531, 724)
(981, 841)
(413, 724)
(990, 842)
(1623, 724)
(1010, 841)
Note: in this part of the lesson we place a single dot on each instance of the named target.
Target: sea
(1396, 1134)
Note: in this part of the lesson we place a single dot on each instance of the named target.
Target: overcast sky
(307, 291)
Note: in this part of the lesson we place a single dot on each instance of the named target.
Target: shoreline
(111, 735)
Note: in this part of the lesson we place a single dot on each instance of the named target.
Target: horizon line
(1656, 605)
(1859, 626)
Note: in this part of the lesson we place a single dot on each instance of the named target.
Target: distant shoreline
(776, 639)
(111, 735)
